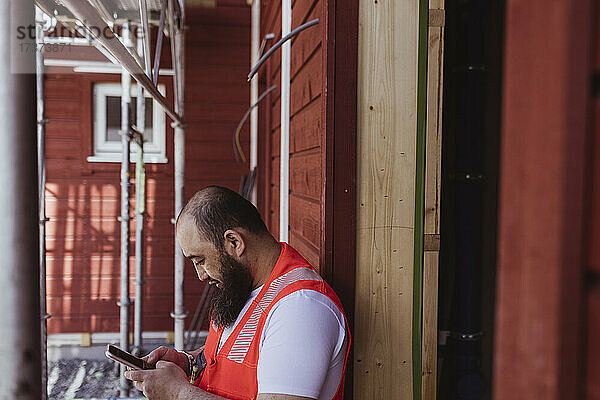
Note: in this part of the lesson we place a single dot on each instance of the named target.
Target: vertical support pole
(20, 376)
(41, 128)
(339, 160)
(177, 48)
(433, 178)
(419, 221)
(159, 41)
(389, 124)
(284, 198)
(179, 314)
(144, 41)
(254, 49)
(140, 202)
(124, 302)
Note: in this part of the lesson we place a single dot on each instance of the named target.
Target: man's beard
(228, 301)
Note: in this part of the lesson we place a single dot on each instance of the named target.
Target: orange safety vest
(231, 372)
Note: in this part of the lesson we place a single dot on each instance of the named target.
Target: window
(107, 125)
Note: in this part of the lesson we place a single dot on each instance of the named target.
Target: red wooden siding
(593, 229)
(307, 129)
(593, 263)
(83, 199)
(541, 218)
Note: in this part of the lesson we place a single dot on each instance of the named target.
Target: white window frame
(110, 151)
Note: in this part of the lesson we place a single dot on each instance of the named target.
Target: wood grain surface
(433, 178)
(387, 106)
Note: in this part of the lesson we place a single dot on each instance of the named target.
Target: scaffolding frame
(139, 66)
(92, 20)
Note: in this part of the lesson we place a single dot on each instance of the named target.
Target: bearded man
(277, 331)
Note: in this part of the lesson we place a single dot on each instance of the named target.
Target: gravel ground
(84, 379)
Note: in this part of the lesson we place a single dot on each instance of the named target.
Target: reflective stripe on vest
(240, 347)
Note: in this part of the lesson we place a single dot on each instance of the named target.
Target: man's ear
(234, 243)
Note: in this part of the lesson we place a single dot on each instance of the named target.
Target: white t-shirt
(303, 345)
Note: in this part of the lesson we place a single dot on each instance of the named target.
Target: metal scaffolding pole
(177, 43)
(41, 128)
(254, 56)
(20, 376)
(125, 302)
(159, 42)
(140, 201)
(284, 201)
(144, 46)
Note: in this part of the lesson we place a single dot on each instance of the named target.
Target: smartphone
(115, 353)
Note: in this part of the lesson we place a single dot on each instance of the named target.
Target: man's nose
(202, 275)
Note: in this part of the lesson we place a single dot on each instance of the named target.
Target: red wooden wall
(593, 293)
(83, 199)
(307, 126)
(543, 213)
(323, 116)
(593, 230)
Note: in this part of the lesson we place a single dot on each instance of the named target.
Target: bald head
(215, 209)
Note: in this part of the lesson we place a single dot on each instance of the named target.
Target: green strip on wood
(417, 328)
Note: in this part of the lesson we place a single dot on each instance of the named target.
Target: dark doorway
(471, 131)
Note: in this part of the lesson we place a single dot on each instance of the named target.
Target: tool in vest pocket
(194, 376)
(196, 366)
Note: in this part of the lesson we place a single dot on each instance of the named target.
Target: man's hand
(169, 354)
(163, 383)
(168, 382)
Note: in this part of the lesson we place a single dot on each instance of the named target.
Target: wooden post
(388, 76)
(338, 157)
(540, 261)
(433, 179)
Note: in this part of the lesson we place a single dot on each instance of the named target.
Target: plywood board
(386, 158)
